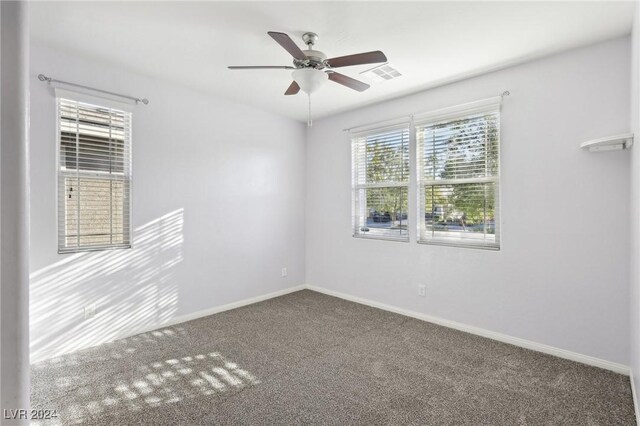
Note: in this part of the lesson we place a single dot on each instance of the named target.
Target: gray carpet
(308, 358)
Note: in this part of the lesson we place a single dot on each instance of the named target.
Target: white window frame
(62, 173)
(492, 105)
(359, 204)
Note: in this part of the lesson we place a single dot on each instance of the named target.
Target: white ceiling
(428, 42)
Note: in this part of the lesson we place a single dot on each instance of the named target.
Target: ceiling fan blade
(261, 67)
(293, 89)
(357, 59)
(289, 45)
(352, 83)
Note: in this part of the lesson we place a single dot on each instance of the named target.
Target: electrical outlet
(284, 272)
(422, 290)
(89, 311)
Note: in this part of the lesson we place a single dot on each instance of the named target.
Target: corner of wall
(634, 273)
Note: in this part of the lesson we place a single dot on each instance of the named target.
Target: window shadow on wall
(133, 290)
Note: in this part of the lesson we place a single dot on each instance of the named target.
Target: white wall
(14, 217)
(218, 210)
(634, 316)
(561, 277)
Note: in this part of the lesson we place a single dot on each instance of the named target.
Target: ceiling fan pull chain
(309, 122)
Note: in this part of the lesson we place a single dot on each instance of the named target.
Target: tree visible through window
(380, 183)
(458, 173)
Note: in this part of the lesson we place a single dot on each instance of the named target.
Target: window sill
(87, 249)
(367, 237)
(495, 247)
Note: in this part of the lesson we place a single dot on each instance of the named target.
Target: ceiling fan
(312, 68)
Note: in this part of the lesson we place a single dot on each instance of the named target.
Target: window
(458, 177)
(94, 177)
(380, 172)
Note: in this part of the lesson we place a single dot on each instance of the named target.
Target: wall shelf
(610, 143)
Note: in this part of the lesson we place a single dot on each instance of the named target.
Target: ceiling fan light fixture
(309, 79)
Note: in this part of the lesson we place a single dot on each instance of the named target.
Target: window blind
(380, 175)
(94, 177)
(458, 178)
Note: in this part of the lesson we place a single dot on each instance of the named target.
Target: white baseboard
(635, 396)
(516, 341)
(562, 353)
(215, 310)
(132, 331)
(227, 307)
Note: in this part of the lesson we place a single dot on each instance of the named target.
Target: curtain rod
(408, 116)
(43, 77)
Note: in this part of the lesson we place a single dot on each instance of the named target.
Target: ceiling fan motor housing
(315, 59)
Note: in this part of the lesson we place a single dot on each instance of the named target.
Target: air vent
(381, 73)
